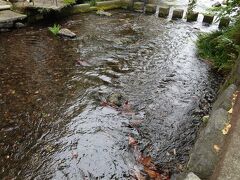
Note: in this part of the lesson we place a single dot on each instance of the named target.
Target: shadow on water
(52, 123)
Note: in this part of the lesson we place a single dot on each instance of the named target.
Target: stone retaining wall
(207, 150)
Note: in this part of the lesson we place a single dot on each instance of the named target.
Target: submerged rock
(115, 99)
(192, 176)
(103, 13)
(66, 33)
(19, 25)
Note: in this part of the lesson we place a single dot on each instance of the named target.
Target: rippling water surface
(52, 122)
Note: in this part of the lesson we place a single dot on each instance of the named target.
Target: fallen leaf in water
(226, 129)
(127, 109)
(152, 174)
(230, 111)
(146, 161)
(131, 141)
(216, 148)
(104, 103)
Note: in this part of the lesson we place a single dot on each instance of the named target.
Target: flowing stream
(52, 121)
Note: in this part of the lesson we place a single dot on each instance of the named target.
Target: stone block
(224, 22)
(192, 16)
(207, 149)
(138, 6)
(224, 100)
(208, 18)
(150, 9)
(177, 14)
(163, 12)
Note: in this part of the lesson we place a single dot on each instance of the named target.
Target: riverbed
(53, 121)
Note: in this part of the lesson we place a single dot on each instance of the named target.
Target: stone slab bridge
(10, 19)
(171, 12)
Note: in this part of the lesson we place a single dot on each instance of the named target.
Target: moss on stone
(177, 14)
(163, 12)
(138, 6)
(106, 5)
(150, 8)
(192, 16)
(81, 8)
(224, 22)
(208, 18)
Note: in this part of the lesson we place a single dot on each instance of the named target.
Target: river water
(53, 122)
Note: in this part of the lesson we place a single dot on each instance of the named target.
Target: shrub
(220, 47)
(92, 2)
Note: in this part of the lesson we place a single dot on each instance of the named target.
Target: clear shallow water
(52, 122)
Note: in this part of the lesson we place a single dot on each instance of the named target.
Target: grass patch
(92, 2)
(55, 29)
(69, 2)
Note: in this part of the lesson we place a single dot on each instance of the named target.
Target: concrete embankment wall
(211, 142)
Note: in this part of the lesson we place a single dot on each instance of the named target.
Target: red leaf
(132, 141)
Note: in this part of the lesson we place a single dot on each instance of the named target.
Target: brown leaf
(104, 103)
(146, 161)
(152, 174)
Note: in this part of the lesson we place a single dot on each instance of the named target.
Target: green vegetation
(69, 2)
(55, 29)
(222, 47)
(92, 2)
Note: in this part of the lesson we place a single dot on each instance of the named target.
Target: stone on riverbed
(103, 13)
(115, 99)
(66, 33)
(192, 176)
(19, 25)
